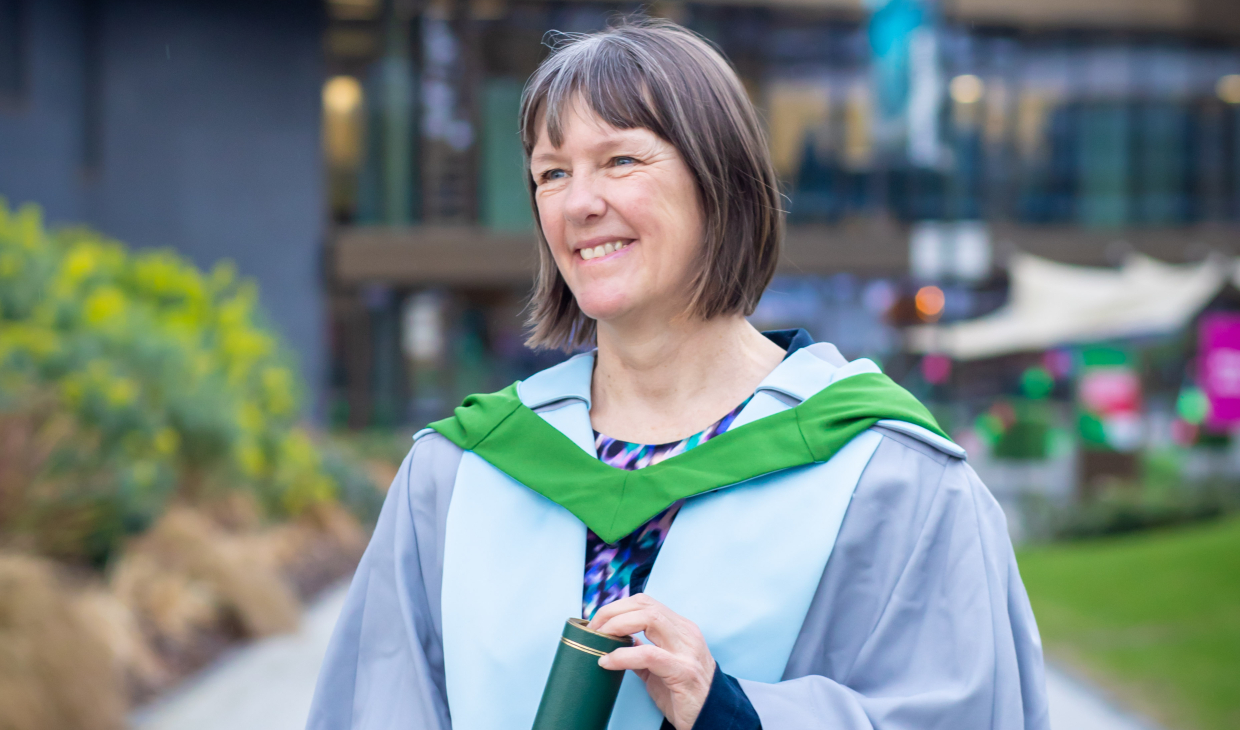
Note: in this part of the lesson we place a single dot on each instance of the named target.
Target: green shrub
(1017, 429)
(1159, 497)
(132, 378)
(356, 489)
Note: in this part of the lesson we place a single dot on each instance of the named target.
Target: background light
(343, 123)
(929, 302)
(967, 89)
(342, 94)
(1228, 88)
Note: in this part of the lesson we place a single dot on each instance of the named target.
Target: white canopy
(1056, 304)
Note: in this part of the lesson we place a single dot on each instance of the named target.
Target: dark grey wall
(207, 138)
(40, 138)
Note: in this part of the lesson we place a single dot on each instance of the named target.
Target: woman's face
(621, 214)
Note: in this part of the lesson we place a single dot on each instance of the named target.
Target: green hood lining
(614, 502)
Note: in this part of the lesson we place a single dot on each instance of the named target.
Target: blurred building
(190, 124)
(921, 143)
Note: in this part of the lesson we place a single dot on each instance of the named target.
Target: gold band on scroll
(583, 647)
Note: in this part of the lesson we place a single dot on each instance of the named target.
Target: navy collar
(790, 340)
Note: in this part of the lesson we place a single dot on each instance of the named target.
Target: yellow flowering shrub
(136, 377)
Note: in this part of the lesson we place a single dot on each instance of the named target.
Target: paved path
(1075, 706)
(268, 686)
(265, 686)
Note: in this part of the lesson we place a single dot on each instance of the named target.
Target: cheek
(649, 207)
(548, 212)
(551, 218)
(674, 213)
(683, 199)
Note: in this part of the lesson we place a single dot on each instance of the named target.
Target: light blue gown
(920, 621)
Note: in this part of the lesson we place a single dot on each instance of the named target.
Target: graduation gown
(919, 618)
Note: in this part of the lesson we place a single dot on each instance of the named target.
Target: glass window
(13, 53)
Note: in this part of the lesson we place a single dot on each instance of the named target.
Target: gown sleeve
(921, 620)
(384, 663)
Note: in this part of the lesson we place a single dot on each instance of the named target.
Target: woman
(795, 539)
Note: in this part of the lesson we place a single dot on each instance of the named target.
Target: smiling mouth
(601, 250)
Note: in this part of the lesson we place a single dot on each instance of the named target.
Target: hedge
(129, 379)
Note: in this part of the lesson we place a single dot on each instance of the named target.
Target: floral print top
(620, 569)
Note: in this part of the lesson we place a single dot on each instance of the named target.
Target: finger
(642, 659)
(624, 605)
(661, 627)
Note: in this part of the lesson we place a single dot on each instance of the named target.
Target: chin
(603, 307)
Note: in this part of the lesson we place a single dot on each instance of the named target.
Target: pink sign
(1107, 391)
(1219, 365)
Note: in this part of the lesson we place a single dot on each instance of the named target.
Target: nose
(584, 203)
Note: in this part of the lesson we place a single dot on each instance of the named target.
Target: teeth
(597, 251)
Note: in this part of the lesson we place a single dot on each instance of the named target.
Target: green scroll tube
(580, 694)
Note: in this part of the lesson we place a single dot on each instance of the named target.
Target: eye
(553, 174)
(621, 161)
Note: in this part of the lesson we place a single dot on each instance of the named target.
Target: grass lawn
(1153, 616)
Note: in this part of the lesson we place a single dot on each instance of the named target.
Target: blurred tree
(128, 379)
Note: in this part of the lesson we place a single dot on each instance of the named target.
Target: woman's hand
(677, 668)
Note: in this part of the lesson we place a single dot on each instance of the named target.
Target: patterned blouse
(620, 569)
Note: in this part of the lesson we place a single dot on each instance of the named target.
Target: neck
(659, 384)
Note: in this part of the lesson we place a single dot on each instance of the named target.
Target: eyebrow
(618, 138)
(544, 157)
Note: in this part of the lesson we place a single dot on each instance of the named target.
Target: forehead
(581, 127)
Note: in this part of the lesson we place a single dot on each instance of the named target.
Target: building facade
(360, 157)
(193, 125)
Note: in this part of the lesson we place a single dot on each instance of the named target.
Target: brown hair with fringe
(656, 75)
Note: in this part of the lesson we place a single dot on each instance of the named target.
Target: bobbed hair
(656, 75)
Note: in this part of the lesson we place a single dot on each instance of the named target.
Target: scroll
(580, 694)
